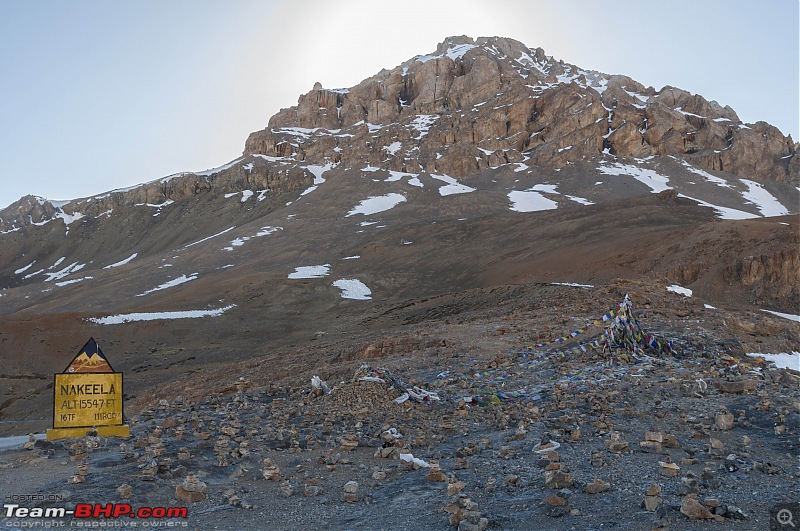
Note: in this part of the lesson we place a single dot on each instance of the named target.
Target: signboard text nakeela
(87, 397)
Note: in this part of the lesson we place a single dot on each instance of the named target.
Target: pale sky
(97, 95)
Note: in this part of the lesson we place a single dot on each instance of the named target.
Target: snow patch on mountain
(782, 360)
(58, 203)
(553, 189)
(580, 200)
(23, 269)
(153, 316)
(73, 281)
(710, 178)
(266, 231)
(790, 316)
(208, 172)
(423, 123)
(395, 176)
(723, 212)
(393, 148)
(530, 201)
(29, 275)
(281, 160)
(766, 203)
(452, 187)
(571, 284)
(652, 179)
(674, 288)
(317, 171)
(157, 206)
(236, 242)
(68, 218)
(453, 52)
(122, 262)
(353, 289)
(72, 268)
(375, 204)
(171, 283)
(209, 237)
(314, 271)
(306, 192)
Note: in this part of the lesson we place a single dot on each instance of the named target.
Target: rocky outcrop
(759, 260)
(769, 276)
(29, 210)
(249, 173)
(496, 94)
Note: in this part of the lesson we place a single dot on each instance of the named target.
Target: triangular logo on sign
(89, 359)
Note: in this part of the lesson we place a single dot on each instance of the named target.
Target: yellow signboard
(85, 400)
(88, 398)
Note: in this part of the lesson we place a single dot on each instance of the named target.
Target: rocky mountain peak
(28, 210)
(474, 104)
(471, 105)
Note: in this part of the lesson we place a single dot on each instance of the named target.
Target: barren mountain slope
(483, 164)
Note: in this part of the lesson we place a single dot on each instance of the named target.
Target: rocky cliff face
(27, 211)
(775, 275)
(260, 173)
(477, 104)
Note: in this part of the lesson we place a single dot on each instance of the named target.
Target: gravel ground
(710, 435)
